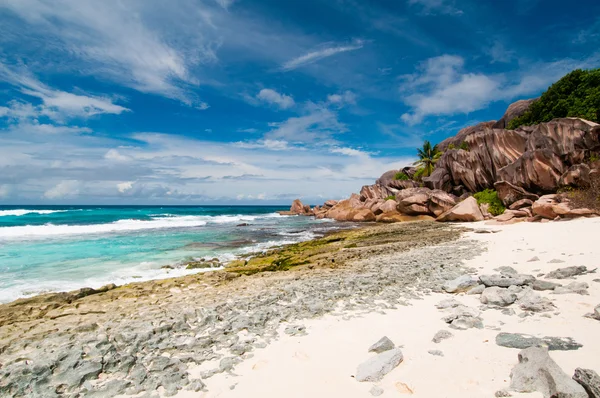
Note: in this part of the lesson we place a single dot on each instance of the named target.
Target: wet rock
(441, 335)
(589, 380)
(536, 371)
(377, 367)
(436, 353)
(544, 285)
(497, 296)
(506, 280)
(573, 287)
(519, 340)
(460, 284)
(568, 272)
(384, 344)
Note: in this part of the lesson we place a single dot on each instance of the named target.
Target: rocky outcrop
(533, 158)
(515, 110)
(467, 210)
(424, 201)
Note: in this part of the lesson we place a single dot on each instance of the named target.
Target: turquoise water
(61, 248)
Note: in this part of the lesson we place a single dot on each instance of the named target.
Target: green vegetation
(419, 173)
(391, 197)
(464, 146)
(587, 197)
(402, 176)
(575, 95)
(428, 156)
(490, 197)
(451, 147)
(594, 157)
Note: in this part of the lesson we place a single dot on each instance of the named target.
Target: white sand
(322, 363)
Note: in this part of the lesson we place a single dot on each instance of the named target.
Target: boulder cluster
(526, 166)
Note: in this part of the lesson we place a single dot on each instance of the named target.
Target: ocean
(61, 248)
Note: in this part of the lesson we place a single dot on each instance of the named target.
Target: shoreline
(193, 336)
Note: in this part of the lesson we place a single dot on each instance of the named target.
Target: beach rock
(424, 201)
(466, 322)
(384, 344)
(544, 285)
(448, 303)
(388, 206)
(476, 290)
(532, 301)
(522, 203)
(363, 216)
(502, 393)
(573, 287)
(298, 207)
(460, 284)
(504, 280)
(534, 258)
(441, 335)
(589, 380)
(295, 330)
(536, 371)
(436, 353)
(519, 340)
(497, 296)
(506, 270)
(568, 272)
(550, 207)
(394, 216)
(461, 311)
(376, 391)
(596, 314)
(467, 211)
(377, 367)
(510, 194)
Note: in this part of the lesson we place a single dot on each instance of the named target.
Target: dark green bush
(391, 197)
(464, 146)
(401, 176)
(490, 197)
(575, 95)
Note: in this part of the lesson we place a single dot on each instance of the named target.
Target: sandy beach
(323, 363)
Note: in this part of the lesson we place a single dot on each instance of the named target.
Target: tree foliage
(575, 95)
(428, 156)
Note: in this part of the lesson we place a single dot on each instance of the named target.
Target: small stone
(508, 311)
(532, 301)
(502, 393)
(506, 280)
(506, 270)
(519, 340)
(555, 261)
(448, 303)
(441, 335)
(375, 368)
(573, 287)
(568, 272)
(466, 322)
(195, 385)
(596, 314)
(384, 344)
(497, 296)
(543, 285)
(227, 364)
(532, 259)
(476, 290)
(295, 330)
(437, 353)
(460, 284)
(376, 391)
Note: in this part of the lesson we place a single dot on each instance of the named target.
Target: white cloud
(114, 154)
(348, 151)
(499, 53)
(317, 124)
(272, 97)
(442, 86)
(317, 55)
(273, 145)
(345, 98)
(436, 6)
(124, 186)
(57, 104)
(64, 189)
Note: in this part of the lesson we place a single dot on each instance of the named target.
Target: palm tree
(428, 156)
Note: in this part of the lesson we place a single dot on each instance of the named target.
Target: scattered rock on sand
(502, 280)
(532, 301)
(596, 314)
(568, 272)
(476, 290)
(460, 284)
(448, 303)
(519, 340)
(441, 335)
(497, 296)
(573, 287)
(532, 259)
(295, 330)
(544, 285)
(436, 353)
(589, 380)
(376, 391)
(502, 393)
(555, 261)
(375, 368)
(534, 362)
(384, 344)
(506, 270)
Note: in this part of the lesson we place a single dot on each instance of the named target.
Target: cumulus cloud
(124, 186)
(318, 123)
(63, 189)
(272, 97)
(341, 99)
(316, 55)
(443, 86)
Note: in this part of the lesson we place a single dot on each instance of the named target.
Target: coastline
(216, 330)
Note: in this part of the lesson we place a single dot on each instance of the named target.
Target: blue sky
(242, 101)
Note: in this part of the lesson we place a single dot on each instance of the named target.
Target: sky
(259, 102)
